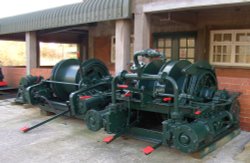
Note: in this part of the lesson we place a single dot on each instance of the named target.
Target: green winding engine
(173, 103)
(72, 90)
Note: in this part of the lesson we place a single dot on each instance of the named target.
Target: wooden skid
(219, 143)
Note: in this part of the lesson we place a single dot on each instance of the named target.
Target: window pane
(168, 43)
(227, 37)
(247, 50)
(191, 53)
(51, 53)
(168, 52)
(217, 49)
(183, 53)
(248, 58)
(242, 54)
(12, 53)
(239, 58)
(226, 58)
(248, 37)
(217, 58)
(183, 42)
(161, 50)
(240, 37)
(161, 43)
(113, 56)
(217, 37)
(240, 50)
(191, 42)
(226, 50)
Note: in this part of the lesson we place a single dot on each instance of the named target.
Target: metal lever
(26, 129)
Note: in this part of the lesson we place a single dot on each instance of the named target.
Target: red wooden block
(148, 150)
(108, 139)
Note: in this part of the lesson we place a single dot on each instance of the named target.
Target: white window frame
(112, 55)
(233, 43)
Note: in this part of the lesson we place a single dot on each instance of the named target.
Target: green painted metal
(174, 103)
(66, 71)
(24, 83)
(88, 11)
(74, 87)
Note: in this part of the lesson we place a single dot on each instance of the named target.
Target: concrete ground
(68, 140)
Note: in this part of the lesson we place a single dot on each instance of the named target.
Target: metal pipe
(113, 89)
(57, 82)
(176, 92)
(164, 94)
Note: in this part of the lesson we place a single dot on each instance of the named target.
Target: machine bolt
(184, 139)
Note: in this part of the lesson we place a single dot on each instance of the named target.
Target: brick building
(110, 30)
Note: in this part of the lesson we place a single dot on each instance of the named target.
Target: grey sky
(16, 7)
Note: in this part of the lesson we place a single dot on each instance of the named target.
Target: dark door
(176, 46)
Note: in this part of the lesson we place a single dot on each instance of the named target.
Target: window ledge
(230, 67)
(45, 67)
(13, 66)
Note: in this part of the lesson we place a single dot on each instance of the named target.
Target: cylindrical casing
(188, 137)
(65, 71)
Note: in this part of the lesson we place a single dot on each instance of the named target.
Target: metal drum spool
(174, 70)
(65, 71)
(68, 71)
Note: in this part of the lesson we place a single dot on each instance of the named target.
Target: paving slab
(68, 140)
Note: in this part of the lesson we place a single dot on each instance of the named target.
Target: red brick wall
(12, 75)
(102, 51)
(45, 72)
(237, 80)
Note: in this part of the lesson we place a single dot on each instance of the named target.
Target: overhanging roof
(173, 5)
(88, 11)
